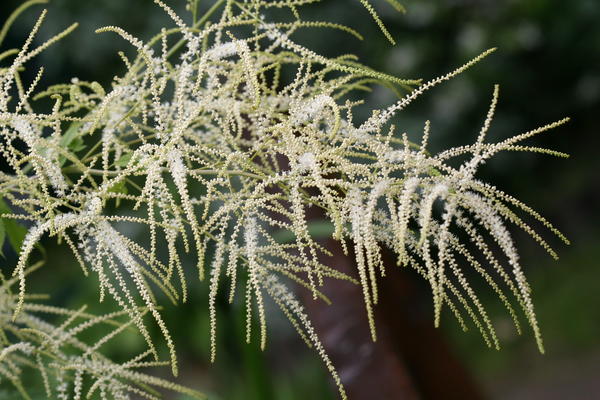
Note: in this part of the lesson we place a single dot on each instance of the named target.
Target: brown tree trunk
(410, 359)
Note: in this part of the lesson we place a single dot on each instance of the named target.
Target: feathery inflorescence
(215, 146)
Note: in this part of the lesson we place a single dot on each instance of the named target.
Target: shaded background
(548, 67)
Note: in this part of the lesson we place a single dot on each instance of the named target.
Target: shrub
(217, 138)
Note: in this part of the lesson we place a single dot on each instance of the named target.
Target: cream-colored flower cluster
(218, 136)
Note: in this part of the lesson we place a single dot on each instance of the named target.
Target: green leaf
(124, 160)
(434, 172)
(2, 237)
(119, 187)
(72, 139)
(70, 134)
(15, 231)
